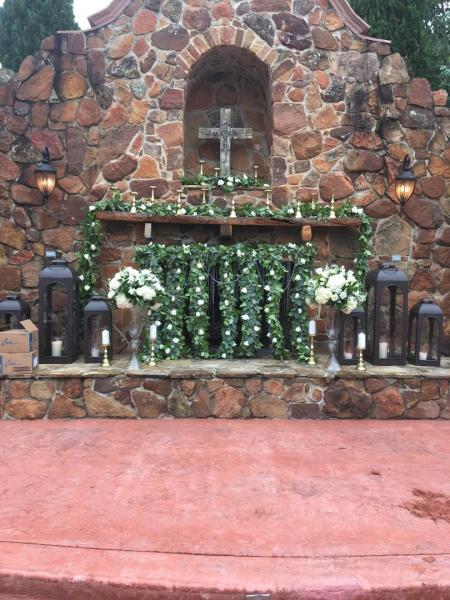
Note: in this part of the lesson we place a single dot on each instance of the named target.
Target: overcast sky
(83, 9)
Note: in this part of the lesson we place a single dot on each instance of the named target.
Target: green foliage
(25, 23)
(419, 30)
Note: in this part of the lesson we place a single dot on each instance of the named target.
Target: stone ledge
(210, 369)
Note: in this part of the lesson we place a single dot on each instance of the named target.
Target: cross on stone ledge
(225, 133)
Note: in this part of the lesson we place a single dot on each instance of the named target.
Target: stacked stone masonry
(234, 397)
(109, 103)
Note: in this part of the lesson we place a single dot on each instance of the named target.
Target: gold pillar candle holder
(216, 171)
(133, 203)
(202, 165)
(255, 171)
(313, 202)
(332, 213)
(298, 212)
(105, 362)
(233, 214)
(268, 191)
(153, 188)
(312, 357)
(361, 366)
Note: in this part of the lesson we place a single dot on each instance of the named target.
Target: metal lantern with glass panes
(58, 313)
(426, 322)
(13, 310)
(97, 320)
(387, 316)
(350, 326)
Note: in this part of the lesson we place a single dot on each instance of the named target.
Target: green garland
(251, 297)
(228, 302)
(274, 273)
(227, 184)
(197, 294)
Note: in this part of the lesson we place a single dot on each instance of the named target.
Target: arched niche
(228, 76)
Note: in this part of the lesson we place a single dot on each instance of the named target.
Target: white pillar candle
(106, 338)
(348, 355)
(423, 355)
(312, 327)
(57, 348)
(361, 340)
(95, 352)
(383, 350)
(153, 332)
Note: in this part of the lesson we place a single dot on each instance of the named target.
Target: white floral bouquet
(333, 285)
(130, 287)
(230, 183)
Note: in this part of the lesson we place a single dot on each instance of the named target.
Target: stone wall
(376, 397)
(109, 105)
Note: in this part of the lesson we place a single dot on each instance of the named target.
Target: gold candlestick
(313, 202)
(133, 202)
(201, 163)
(105, 362)
(298, 212)
(332, 213)
(152, 360)
(312, 357)
(233, 214)
(205, 189)
(153, 188)
(267, 189)
(179, 205)
(255, 171)
(361, 364)
(216, 171)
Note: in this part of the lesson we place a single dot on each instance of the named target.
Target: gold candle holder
(298, 212)
(153, 188)
(255, 171)
(202, 164)
(313, 202)
(105, 362)
(152, 360)
(133, 202)
(332, 213)
(205, 189)
(179, 204)
(216, 171)
(312, 357)
(233, 214)
(268, 191)
(361, 366)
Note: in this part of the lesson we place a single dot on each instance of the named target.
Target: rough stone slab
(186, 498)
(266, 368)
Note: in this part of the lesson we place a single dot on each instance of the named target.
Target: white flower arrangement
(335, 286)
(130, 287)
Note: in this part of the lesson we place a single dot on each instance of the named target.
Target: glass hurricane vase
(135, 326)
(332, 330)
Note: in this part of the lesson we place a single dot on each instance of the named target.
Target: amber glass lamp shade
(405, 182)
(45, 175)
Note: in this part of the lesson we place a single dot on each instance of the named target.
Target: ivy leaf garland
(197, 294)
(274, 272)
(251, 297)
(228, 301)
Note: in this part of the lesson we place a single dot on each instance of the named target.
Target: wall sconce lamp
(405, 182)
(45, 175)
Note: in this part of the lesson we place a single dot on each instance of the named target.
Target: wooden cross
(225, 133)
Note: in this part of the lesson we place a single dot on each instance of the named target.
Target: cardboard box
(17, 341)
(18, 364)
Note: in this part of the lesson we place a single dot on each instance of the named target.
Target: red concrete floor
(218, 509)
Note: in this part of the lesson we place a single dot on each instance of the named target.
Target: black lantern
(45, 175)
(97, 321)
(350, 326)
(387, 316)
(13, 310)
(425, 334)
(405, 182)
(58, 313)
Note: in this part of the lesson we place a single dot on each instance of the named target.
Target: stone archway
(228, 76)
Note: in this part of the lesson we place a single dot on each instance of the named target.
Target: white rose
(245, 317)
(201, 302)
(244, 290)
